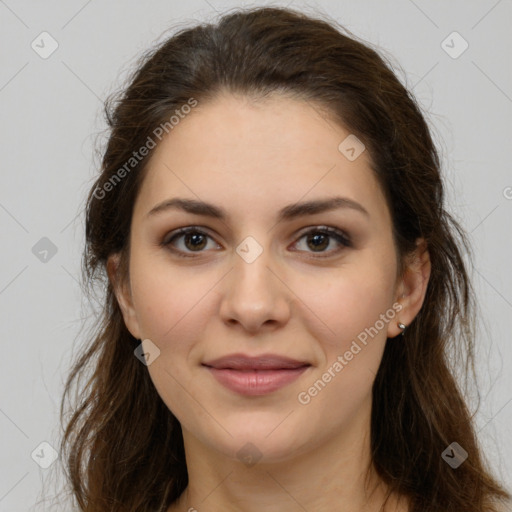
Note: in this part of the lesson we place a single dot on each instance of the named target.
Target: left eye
(319, 240)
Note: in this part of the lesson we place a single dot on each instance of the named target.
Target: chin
(258, 440)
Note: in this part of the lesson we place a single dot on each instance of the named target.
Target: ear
(411, 287)
(123, 294)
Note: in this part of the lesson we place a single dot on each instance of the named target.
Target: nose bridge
(252, 279)
(252, 271)
(254, 296)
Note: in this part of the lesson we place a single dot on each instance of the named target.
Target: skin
(252, 159)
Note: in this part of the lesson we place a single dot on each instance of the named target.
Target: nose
(255, 297)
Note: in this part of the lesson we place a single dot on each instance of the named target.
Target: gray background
(51, 111)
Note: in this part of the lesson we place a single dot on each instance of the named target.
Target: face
(271, 307)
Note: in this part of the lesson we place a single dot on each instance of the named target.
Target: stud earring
(401, 326)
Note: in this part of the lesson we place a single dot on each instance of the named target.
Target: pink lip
(255, 375)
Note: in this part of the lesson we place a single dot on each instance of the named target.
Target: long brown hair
(123, 447)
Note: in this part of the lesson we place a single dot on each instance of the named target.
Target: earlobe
(412, 288)
(122, 291)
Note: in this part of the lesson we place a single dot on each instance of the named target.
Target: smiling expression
(254, 237)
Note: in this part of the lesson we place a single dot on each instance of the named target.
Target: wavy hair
(123, 447)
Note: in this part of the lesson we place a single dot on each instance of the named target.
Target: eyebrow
(287, 213)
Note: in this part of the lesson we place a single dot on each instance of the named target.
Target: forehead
(258, 154)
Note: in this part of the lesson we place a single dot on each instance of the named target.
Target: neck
(334, 475)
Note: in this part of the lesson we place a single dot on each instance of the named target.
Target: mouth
(254, 376)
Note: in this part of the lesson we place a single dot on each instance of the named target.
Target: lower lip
(256, 382)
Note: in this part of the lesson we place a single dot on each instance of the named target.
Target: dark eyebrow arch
(287, 213)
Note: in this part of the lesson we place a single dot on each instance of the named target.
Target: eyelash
(336, 234)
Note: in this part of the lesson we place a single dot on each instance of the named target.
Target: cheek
(170, 302)
(348, 300)
(173, 308)
(350, 358)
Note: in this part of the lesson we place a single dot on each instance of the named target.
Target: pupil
(319, 241)
(196, 241)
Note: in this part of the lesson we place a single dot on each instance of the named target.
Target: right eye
(186, 241)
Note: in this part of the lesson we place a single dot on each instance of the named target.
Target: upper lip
(262, 362)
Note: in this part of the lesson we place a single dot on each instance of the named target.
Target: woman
(284, 287)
